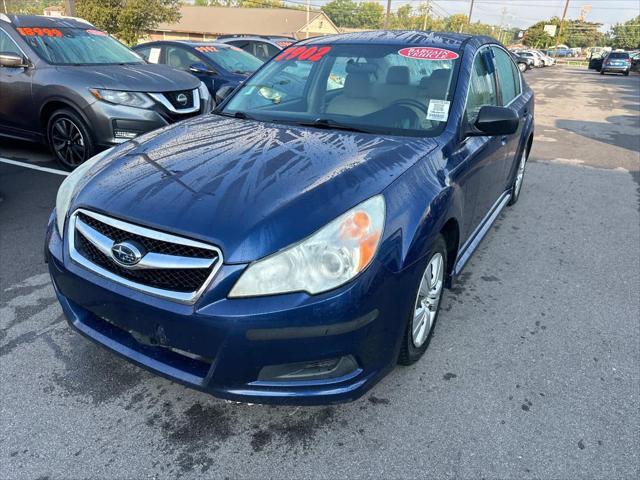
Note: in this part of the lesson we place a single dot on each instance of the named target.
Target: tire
(69, 138)
(601, 72)
(522, 67)
(626, 74)
(516, 188)
(429, 291)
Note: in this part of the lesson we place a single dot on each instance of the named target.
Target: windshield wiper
(332, 125)
(241, 115)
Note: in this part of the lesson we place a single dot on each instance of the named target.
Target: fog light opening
(305, 371)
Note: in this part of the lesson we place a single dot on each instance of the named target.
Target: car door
(509, 83)
(482, 168)
(17, 112)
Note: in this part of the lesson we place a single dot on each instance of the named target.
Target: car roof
(400, 37)
(41, 21)
(187, 43)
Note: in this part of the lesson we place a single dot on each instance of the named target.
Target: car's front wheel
(517, 182)
(69, 138)
(430, 289)
(522, 67)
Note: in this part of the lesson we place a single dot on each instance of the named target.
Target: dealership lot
(533, 370)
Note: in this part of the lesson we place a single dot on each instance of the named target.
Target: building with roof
(207, 23)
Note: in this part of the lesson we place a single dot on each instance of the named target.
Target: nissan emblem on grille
(127, 253)
(182, 99)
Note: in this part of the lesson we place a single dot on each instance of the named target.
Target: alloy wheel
(426, 306)
(68, 142)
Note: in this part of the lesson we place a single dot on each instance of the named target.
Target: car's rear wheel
(626, 74)
(430, 289)
(69, 138)
(517, 182)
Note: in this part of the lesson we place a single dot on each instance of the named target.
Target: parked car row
(537, 57)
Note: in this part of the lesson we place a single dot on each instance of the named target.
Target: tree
(370, 15)
(536, 37)
(626, 35)
(28, 7)
(456, 23)
(129, 20)
(342, 12)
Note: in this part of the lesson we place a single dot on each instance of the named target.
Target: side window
(482, 90)
(180, 58)
(508, 75)
(7, 45)
(264, 51)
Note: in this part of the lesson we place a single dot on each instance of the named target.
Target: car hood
(134, 78)
(251, 188)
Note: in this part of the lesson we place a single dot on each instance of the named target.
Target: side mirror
(495, 121)
(11, 60)
(223, 92)
(201, 69)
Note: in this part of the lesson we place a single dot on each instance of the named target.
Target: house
(207, 23)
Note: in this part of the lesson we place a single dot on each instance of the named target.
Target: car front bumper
(224, 346)
(114, 124)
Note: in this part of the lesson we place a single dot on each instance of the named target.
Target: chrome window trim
(180, 297)
(159, 97)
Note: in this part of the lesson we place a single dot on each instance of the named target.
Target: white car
(537, 61)
(548, 61)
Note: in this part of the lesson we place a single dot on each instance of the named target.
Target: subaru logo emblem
(127, 253)
(182, 99)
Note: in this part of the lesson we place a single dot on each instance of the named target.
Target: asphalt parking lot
(533, 372)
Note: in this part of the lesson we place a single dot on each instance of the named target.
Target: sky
(524, 13)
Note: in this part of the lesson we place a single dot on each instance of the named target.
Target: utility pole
(5, 6)
(426, 14)
(386, 19)
(307, 26)
(71, 8)
(470, 10)
(564, 14)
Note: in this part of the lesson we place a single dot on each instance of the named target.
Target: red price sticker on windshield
(428, 53)
(207, 49)
(306, 54)
(39, 32)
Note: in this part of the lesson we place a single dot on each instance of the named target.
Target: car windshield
(77, 46)
(616, 55)
(231, 58)
(370, 88)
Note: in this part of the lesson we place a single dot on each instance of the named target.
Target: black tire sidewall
(409, 353)
(79, 122)
(516, 195)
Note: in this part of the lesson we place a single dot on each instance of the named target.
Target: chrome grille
(171, 267)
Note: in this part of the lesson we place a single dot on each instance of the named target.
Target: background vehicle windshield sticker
(428, 53)
(308, 54)
(206, 49)
(438, 110)
(154, 55)
(98, 33)
(39, 32)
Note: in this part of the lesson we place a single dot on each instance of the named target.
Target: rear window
(618, 55)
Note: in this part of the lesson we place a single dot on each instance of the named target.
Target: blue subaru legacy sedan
(294, 246)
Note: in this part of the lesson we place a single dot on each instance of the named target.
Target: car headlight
(327, 259)
(205, 96)
(130, 99)
(69, 187)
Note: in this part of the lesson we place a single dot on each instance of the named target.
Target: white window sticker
(438, 110)
(154, 55)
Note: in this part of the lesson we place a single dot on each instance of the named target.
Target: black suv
(67, 84)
